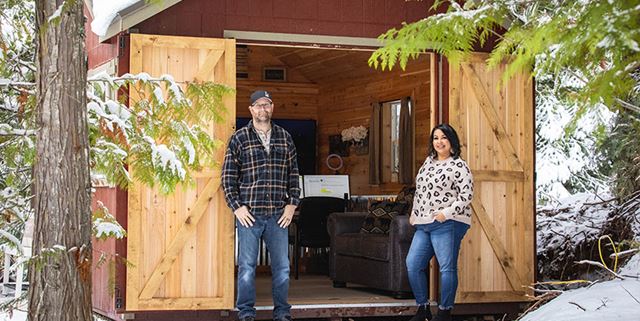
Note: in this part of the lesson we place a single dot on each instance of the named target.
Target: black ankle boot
(423, 313)
(443, 315)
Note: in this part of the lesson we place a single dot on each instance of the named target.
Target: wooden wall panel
(338, 101)
(297, 98)
(346, 103)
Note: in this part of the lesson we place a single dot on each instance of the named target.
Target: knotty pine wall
(347, 103)
(297, 98)
(340, 104)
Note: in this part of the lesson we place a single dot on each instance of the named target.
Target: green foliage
(17, 151)
(596, 41)
(162, 134)
(585, 54)
(453, 34)
(622, 151)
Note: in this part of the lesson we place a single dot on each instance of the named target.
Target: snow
(57, 13)
(105, 228)
(572, 225)
(163, 157)
(610, 300)
(159, 95)
(168, 159)
(17, 315)
(189, 147)
(104, 12)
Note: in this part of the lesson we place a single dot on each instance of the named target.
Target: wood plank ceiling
(324, 65)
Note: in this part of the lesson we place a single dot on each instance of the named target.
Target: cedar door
(495, 122)
(181, 246)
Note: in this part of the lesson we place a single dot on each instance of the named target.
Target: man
(260, 181)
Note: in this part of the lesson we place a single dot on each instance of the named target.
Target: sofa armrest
(401, 230)
(345, 222)
(340, 223)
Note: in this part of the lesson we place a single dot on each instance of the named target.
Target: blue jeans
(443, 240)
(277, 240)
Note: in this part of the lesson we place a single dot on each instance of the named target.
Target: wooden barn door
(496, 126)
(181, 246)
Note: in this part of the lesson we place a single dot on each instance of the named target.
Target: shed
(181, 247)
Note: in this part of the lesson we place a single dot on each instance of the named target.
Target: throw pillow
(406, 195)
(380, 216)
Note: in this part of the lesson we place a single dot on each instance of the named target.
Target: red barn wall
(209, 18)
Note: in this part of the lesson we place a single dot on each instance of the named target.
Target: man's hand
(244, 217)
(287, 216)
(440, 217)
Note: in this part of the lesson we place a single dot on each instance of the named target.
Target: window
(391, 141)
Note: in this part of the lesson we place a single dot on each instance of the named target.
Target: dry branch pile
(570, 233)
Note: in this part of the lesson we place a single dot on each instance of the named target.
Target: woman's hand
(440, 217)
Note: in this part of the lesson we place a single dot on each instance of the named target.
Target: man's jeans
(277, 242)
(443, 240)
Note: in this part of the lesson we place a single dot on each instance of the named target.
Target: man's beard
(263, 119)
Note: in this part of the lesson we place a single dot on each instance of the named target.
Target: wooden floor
(318, 290)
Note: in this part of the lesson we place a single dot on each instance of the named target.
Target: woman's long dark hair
(452, 136)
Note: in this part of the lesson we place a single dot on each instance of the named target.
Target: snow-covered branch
(10, 83)
(598, 264)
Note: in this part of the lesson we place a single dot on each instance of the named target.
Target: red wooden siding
(209, 18)
(354, 18)
(99, 53)
(106, 296)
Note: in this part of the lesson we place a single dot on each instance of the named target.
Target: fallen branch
(630, 294)
(626, 253)
(540, 300)
(602, 266)
(578, 305)
(603, 202)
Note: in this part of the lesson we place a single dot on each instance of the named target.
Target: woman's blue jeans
(443, 240)
(277, 241)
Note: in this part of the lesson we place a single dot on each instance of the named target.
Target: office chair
(311, 224)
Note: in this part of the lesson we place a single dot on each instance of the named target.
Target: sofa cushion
(380, 216)
(406, 196)
(370, 246)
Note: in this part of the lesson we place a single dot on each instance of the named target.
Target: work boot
(443, 315)
(423, 313)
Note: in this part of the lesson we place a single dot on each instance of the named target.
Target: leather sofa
(371, 259)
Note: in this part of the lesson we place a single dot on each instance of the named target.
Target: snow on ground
(572, 225)
(611, 300)
(16, 316)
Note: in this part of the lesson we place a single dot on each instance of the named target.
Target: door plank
(492, 116)
(497, 176)
(209, 64)
(185, 232)
(505, 259)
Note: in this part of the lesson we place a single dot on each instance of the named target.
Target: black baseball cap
(260, 94)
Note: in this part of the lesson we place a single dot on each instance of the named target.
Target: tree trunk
(60, 284)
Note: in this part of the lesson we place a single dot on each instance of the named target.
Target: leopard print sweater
(443, 187)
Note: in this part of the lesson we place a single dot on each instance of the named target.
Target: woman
(441, 215)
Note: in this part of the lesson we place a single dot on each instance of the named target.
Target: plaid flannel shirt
(265, 183)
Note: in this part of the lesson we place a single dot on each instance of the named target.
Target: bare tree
(60, 275)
